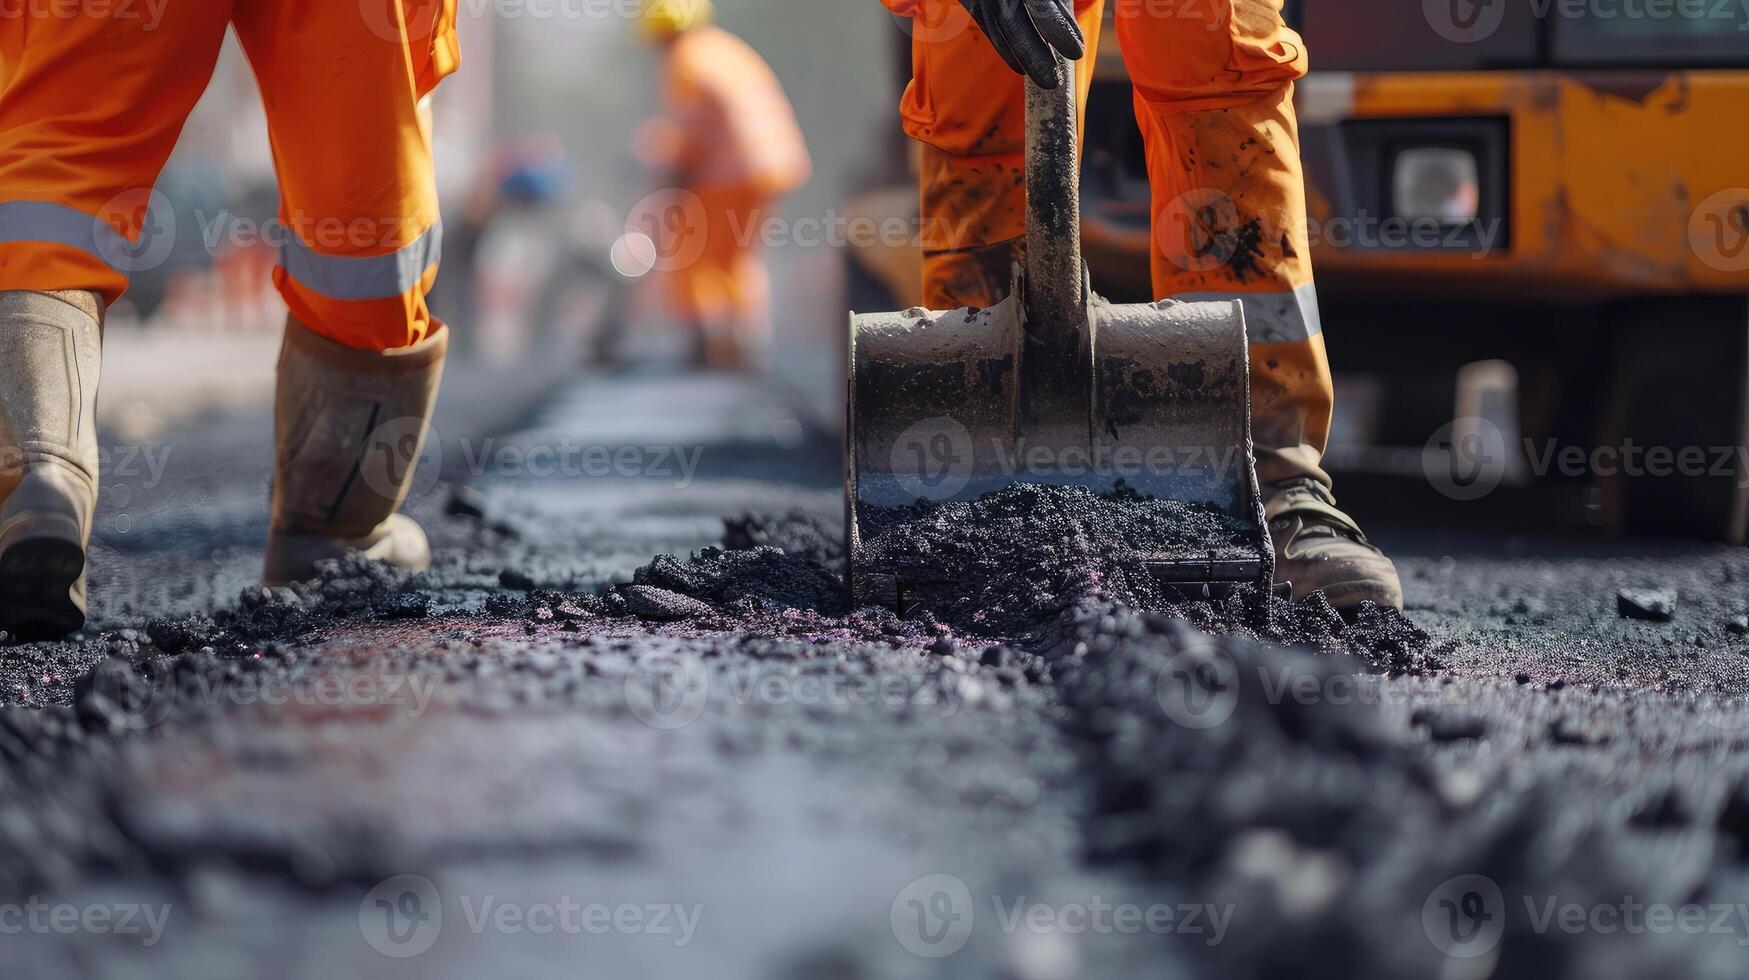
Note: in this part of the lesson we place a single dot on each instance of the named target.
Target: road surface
(555, 755)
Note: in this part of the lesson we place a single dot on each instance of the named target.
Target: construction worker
(91, 104)
(1213, 95)
(727, 148)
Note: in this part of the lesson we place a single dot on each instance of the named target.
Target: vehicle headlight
(1436, 183)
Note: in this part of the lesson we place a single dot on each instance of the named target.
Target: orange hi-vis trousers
(92, 102)
(1213, 92)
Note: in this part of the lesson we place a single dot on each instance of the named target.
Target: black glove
(1025, 32)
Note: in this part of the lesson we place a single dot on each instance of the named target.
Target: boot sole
(37, 580)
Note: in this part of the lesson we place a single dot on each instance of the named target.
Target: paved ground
(508, 765)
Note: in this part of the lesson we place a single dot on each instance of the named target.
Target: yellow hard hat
(664, 18)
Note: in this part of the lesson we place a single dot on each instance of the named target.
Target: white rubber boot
(348, 427)
(50, 355)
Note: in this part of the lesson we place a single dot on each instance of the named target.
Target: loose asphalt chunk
(1651, 605)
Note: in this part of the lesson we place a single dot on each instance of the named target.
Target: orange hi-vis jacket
(92, 103)
(729, 140)
(727, 121)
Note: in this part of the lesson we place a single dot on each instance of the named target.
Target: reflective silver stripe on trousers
(346, 277)
(1272, 318)
(42, 221)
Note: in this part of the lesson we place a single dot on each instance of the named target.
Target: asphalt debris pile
(1381, 641)
(762, 577)
(351, 589)
(1266, 781)
(1024, 555)
(1018, 561)
(1024, 559)
(798, 532)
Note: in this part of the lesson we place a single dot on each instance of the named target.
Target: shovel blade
(938, 412)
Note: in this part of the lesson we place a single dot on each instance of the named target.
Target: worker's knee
(378, 324)
(1192, 56)
(366, 292)
(971, 202)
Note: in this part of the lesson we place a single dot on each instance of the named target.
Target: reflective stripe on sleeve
(346, 277)
(44, 221)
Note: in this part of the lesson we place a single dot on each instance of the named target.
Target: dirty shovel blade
(940, 410)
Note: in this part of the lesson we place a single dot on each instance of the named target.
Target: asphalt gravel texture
(628, 725)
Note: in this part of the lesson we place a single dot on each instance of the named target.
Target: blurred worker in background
(1214, 98)
(532, 175)
(91, 104)
(726, 150)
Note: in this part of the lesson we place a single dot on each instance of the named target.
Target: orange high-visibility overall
(1213, 95)
(729, 136)
(92, 101)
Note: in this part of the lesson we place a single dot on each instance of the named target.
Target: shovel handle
(1056, 301)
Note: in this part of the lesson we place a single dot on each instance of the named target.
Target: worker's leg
(969, 112)
(740, 318)
(359, 369)
(358, 191)
(712, 271)
(90, 107)
(750, 281)
(1214, 98)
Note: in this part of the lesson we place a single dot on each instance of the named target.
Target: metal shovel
(1053, 385)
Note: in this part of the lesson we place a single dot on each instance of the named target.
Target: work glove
(1026, 32)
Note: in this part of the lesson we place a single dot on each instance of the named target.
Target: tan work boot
(50, 353)
(1320, 547)
(348, 425)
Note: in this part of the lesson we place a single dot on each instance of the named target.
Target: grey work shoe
(1318, 547)
(50, 353)
(348, 428)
